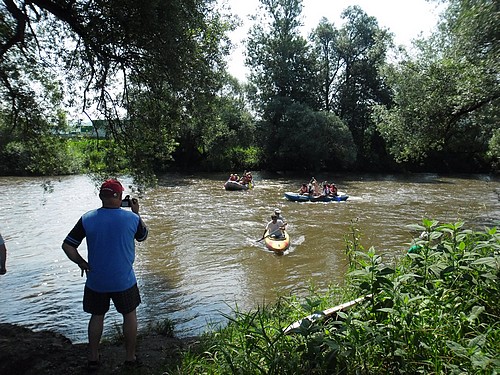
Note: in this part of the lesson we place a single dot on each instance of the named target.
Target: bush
(435, 312)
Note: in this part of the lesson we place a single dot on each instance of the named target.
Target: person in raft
(313, 188)
(277, 212)
(110, 232)
(304, 190)
(275, 228)
(333, 190)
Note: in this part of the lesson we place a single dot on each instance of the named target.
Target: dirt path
(24, 352)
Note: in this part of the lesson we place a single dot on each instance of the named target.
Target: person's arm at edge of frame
(3, 256)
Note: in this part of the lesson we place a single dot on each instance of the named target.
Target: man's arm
(265, 230)
(142, 230)
(282, 224)
(73, 254)
(70, 244)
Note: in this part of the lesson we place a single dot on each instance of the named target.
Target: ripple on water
(202, 258)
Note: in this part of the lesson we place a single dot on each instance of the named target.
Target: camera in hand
(126, 201)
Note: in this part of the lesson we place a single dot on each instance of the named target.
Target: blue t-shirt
(110, 234)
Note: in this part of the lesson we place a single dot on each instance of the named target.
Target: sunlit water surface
(202, 258)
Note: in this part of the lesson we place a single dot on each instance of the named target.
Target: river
(202, 258)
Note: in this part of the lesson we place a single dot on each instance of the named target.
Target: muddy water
(202, 257)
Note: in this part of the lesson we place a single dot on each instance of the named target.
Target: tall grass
(434, 312)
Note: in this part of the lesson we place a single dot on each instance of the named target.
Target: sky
(406, 19)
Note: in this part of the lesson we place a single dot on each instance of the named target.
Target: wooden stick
(326, 313)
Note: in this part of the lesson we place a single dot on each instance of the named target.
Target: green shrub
(436, 311)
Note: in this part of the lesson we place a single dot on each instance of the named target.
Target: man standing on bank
(110, 232)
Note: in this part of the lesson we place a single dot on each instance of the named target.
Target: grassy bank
(436, 311)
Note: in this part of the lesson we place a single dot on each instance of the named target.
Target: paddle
(270, 234)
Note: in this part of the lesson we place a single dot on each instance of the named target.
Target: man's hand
(134, 205)
(84, 266)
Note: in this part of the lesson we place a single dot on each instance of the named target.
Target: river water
(202, 258)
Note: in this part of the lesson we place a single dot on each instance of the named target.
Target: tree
(122, 55)
(325, 39)
(446, 98)
(230, 144)
(350, 59)
(279, 57)
(315, 140)
(31, 116)
(282, 72)
(361, 47)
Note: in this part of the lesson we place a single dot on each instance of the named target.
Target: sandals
(131, 364)
(93, 366)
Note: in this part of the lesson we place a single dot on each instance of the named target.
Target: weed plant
(435, 312)
(163, 328)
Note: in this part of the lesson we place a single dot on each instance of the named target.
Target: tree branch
(18, 36)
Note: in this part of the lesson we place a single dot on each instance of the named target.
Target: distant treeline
(332, 101)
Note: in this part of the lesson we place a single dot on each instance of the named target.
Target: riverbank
(26, 352)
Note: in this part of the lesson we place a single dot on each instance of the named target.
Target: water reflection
(202, 257)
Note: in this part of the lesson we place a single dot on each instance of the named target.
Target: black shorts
(98, 303)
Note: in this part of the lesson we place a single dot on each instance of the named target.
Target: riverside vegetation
(436, 311)
(162, 99)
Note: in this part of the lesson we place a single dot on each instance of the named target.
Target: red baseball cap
(111, 187)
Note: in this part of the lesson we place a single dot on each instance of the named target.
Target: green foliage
(431, 113)
(227, 139)
(446, 97)
(308, 140)
(31, 117)
(151, 69)
(292, 80)
(48, 155)
(99, 156)
(325, 45)
(350, 59)
(435, 312)
(243, 158)
(14, 159)
(281, 62)
(165, 327)
(155, 72)
(494, 149)
(473, 28)
(283, 75)
(353, 244)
